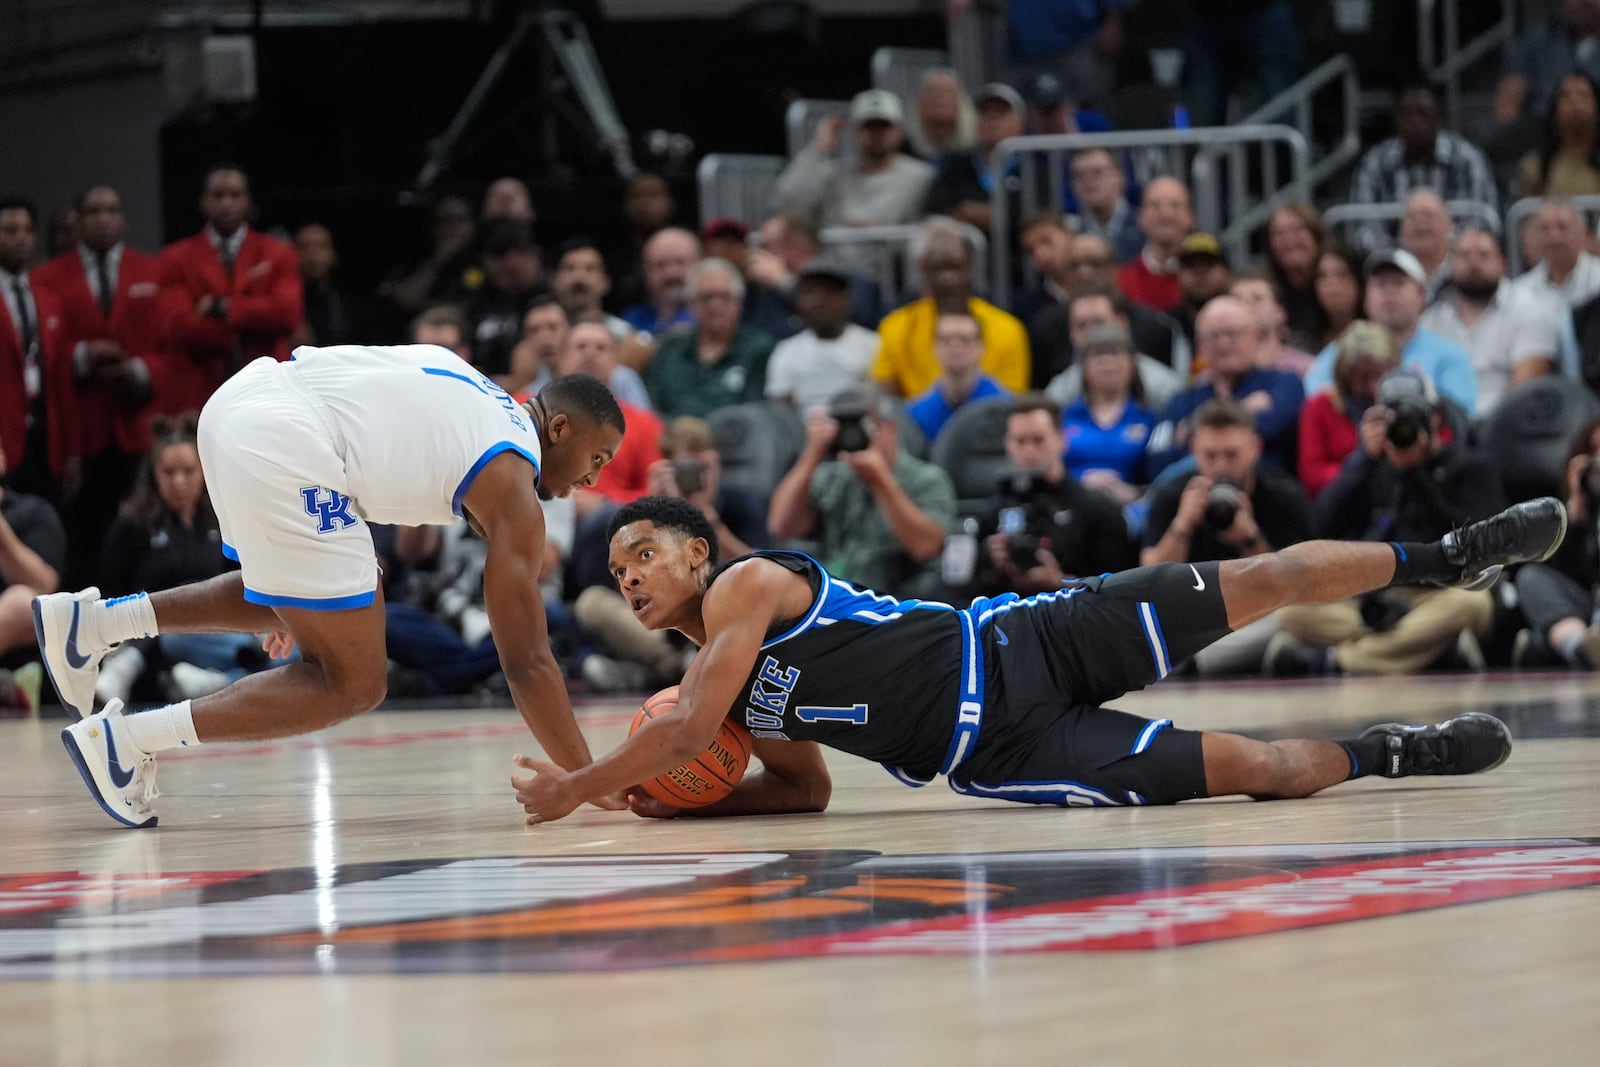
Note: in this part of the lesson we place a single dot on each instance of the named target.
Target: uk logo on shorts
(330, 509)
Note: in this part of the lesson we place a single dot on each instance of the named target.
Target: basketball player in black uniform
(1003, 698)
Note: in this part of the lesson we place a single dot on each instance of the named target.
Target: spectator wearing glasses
(1229, 337)
(958, 346)
(1101, 190)
(721, 361)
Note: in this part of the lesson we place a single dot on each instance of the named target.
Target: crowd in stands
(1145, 398)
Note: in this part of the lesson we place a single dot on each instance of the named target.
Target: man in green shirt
(721, 361)
(880, 514)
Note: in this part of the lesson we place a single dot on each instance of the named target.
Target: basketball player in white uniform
(299, 457)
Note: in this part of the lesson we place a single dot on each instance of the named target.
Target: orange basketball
(710, 776)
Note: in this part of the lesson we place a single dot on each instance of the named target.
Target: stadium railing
(1182, 153)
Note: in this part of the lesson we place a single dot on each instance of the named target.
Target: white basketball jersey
(418, 424)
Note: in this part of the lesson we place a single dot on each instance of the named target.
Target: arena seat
(1531, 431)
(758, 443)
(972, 450)
(912, 440)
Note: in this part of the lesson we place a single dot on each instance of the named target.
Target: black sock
(1416, 562)
(1366, 754)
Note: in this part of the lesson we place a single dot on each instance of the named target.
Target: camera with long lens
(1410, 408)
(690, 475)
(1027, 514)
(1222, 503)
(854, 435)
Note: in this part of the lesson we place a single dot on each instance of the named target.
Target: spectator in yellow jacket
(905, 363)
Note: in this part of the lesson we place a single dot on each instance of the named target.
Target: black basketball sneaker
(1466, 744)
(1524, 533)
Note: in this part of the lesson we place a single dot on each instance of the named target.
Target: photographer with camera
(1044, 526)
(880, 514)
(1230, 508)
(690, 468)
(1558, 598)
(1403, 483)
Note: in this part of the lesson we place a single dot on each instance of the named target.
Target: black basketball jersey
(867, 674)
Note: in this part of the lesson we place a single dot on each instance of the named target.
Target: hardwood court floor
(370, 896)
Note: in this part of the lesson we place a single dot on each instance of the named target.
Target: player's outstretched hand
(648, 807)
(278, 644)
(543, 795)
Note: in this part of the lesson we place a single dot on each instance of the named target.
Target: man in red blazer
(35, 430)
(109, 296)
(228, 294)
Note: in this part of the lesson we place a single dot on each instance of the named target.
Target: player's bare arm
(793, 780)
(504, 506)
(734, 617)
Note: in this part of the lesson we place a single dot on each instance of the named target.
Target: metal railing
(801, 119)
(1355, 217)
(1522, 210)
(1233, 226)
(737, 186)
(900, 71)
(1298, 100)
(892, 284)
(1443, 61)
(977, 40)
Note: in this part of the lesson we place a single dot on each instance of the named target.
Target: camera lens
(1222, 505)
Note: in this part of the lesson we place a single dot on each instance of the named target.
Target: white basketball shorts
(273, 465)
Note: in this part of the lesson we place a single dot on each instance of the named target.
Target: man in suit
(113, 344)
(34, 431)
(228, 294)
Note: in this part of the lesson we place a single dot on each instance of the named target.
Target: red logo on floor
(593, 913)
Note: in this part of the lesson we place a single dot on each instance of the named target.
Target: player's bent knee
(366, 695)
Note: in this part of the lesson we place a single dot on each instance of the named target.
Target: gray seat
(1530, 434)
(972, 450)
(757, 443)
(913, 441)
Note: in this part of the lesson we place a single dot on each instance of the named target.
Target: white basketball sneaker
(120, 777)
(73, 663)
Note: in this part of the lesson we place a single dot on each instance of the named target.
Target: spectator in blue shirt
(1108, 427)
(668, 255)
(1396, 293)
(1230, 337)
(958, 346)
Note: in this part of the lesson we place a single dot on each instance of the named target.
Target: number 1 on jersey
(855, 713)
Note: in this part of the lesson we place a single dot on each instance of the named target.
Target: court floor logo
(531, 914)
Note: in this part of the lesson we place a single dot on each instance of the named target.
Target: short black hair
(83, 194)
(670, 512)
(579, 244)
(225, 166)
(544, 300)
(21, 203)
(582, 394)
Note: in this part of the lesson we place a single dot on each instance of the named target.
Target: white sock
(159, 729)
(121, 618)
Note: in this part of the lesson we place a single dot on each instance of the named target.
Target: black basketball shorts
(1053, 660)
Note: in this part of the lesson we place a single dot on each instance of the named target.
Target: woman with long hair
(1296, 239)
(167, 535)
(944, 120)
(1338, 289)
(1568, 162)
(1330, 422)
